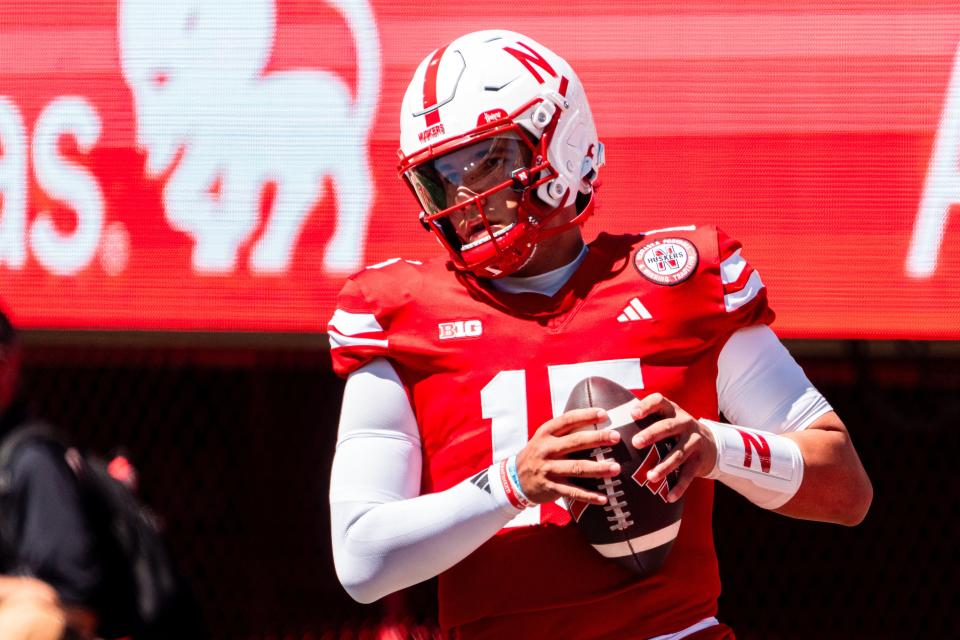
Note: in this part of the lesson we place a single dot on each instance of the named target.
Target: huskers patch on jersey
(667, 261)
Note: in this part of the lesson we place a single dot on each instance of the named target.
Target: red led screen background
(182, 168)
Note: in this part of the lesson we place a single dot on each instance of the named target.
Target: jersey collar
(546, 284)
(607, 256)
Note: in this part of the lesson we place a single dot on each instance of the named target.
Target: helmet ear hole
(543, 114)
(553, 192)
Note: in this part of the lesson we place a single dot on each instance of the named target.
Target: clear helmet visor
(469, 171)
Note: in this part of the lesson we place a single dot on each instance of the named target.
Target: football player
(451, 453)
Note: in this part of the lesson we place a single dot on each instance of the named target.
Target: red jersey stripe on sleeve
(741, 282)
(752, 288)
(338, 341)
(347, 323)
(356, 336)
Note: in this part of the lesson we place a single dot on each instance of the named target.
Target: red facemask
(478, 196)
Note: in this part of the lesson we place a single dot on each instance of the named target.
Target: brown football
(637, 526)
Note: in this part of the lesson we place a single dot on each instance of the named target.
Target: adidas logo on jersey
(634, 311)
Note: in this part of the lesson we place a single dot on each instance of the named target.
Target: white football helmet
(492, 111)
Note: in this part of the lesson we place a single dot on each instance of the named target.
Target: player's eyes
(487, 165)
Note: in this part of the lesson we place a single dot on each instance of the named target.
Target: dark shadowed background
(234, 446)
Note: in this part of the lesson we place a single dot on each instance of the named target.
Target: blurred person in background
(49, 568)
(452, 441)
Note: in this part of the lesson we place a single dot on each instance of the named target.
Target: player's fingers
(566, 422)
(685, 449)
(671, 462)
(658, 431)
(585, 439)
(582, 468)
(653, 403)
(573, 492)
(687, 474)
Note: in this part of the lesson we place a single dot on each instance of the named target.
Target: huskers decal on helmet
(496, 141)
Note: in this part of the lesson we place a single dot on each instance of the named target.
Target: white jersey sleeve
(760, 385)
(385, 535)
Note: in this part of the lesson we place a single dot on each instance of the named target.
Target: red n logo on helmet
(530, 59)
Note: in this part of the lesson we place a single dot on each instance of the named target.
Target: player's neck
(553, 253)
(546, 284)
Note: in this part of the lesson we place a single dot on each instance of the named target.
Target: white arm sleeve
(760, 385)
(385, 535)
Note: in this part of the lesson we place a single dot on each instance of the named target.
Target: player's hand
(542, 464)
(695, 452)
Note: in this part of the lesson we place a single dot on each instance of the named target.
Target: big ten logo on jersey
(460, 329)
(219, 127)
(941, 193)
(65, 185)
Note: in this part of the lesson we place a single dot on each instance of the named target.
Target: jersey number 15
(504, 402)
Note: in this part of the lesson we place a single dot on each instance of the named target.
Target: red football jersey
(485, 369)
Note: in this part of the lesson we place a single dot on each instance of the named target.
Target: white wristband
(764, 467)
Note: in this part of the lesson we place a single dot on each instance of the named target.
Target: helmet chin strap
(577, 220)
(500, 256)
(502, 262)
(533, 252)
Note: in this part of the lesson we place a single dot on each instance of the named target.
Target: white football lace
(617, 514)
